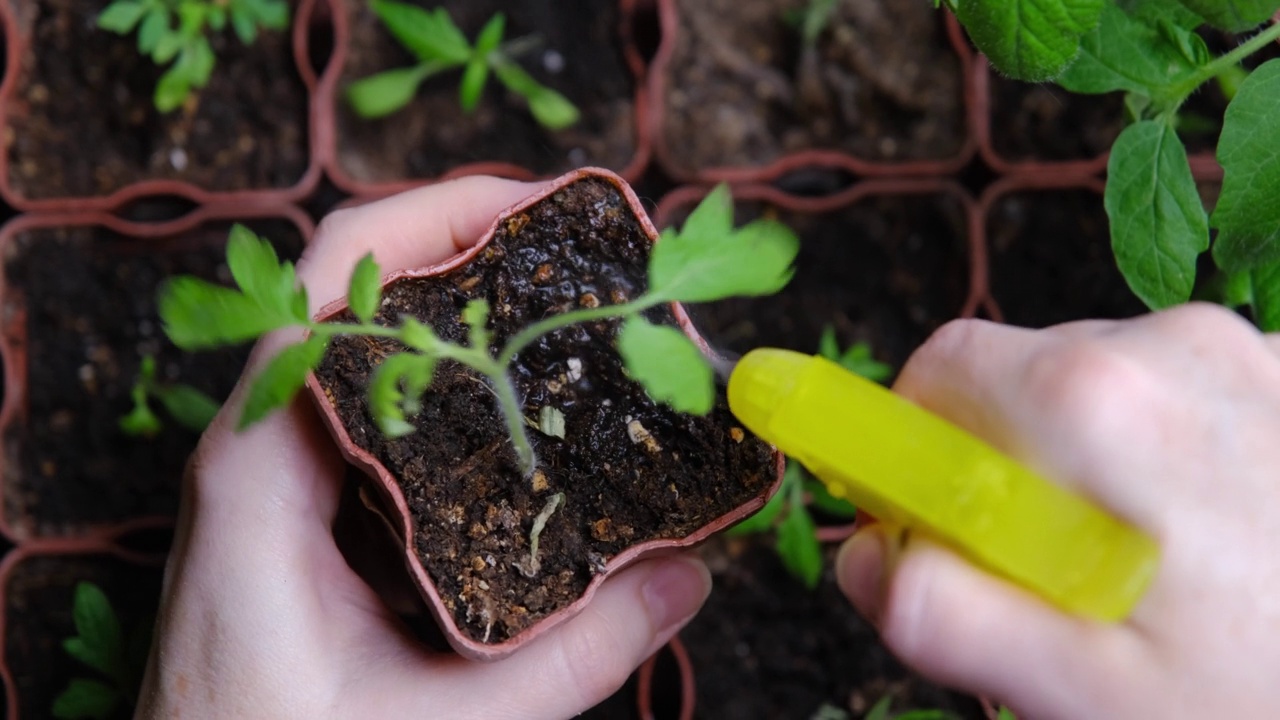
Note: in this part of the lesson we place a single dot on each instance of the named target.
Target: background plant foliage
(1150, 49)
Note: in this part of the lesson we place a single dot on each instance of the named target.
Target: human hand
(261, 616)
(1171, 421)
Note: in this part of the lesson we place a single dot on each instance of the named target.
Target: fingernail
(860, 571)
(675, 590)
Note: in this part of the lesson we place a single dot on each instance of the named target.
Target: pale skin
(1171, 421)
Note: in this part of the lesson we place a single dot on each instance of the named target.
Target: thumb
(964, 628)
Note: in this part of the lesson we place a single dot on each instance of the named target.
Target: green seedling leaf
(763, 520)
(476, 316)
(702, 262)
(283, 377)
(1006, 714)
(271, 14)
(668, 365)
(816, 18)
(152, 29)
(880, 711)
(798, 544)
(1233, 15)
(121, 16)
(430, 35)
(473, 81)
(1265, 298)
(418, 336)
(86, 699)
(172, 89)
(551, 109)
(857, 359)
(382, 94)
(491, 35)
(551, 422)
(1247, 216)
(99, 640)
(1123, 53)
(365, 292)
(1158, 224)
(217, 17)
(1155, 11)
(388, 402)
(202, 62)
(1031, 40)
(141, 420)
(243, 22)
(191, 408)
(822, 499)
(167, 46)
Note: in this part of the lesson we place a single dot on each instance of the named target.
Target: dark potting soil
(886, 270)
(1044, 122)
(82, 122)
(766, 648)
(1051, 261)
(39, 597)
(472, 510)
(580, 55)
(882, 83)
(88, 296)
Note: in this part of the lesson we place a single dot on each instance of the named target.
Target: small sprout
(188, 406)
(101, 644)
(440, 46)
(551, 422)
(857, 358)
(706, 260)
(176, 33)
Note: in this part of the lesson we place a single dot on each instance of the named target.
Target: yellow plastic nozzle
(911, 468)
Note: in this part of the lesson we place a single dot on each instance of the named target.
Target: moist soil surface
(89, 300)
(766, 648)
(1051, 260)
(885, 270)
(881, 83)
(39, 597)
(631, 470)
(82, 121)
(1045, 122)
(580, 55)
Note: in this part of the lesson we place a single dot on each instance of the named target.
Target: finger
(574, 667)
(415, 228)
(1064, 401)
(966, 629)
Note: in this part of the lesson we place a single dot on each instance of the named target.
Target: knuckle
(331, 225)
(1087, 386)
(595, 660)
(954, 339)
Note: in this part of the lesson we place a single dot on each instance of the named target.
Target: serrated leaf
(85, 699)
(430, 35)
(1266, 297)
(1123, 53)
(551, 109)
(167, 46)
(172, 89)
(365, 292)
(798, 546)
(763, 519)
(282, 378)
(475, 314)
(418, 336)
(244, 25)
(198, 314)
(257, 269)
(382, 94)
(388, 402)
(272, 14)
(490, 35)
(668, 365)
(217, 17)
(1247, 215)
(121, 16)
(473, 81)
(1233, 15)
(191, 408)
(828, 345)
(858, 360)
(701, 263)
(1031, 40)
(1158, 224)
(202, 61)
(97, 628)
(1157, 10)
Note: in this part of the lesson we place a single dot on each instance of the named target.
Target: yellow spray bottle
(911, 468)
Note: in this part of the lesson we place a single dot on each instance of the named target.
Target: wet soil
(1045, 122)
(471, 508)
(88, 298)
(39, 598)
(1051, 260)
(766, 648)
(886, 270)
(580, 55)
(882, 83)
(82, 122)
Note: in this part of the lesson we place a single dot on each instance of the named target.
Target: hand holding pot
(262, 616)
(1170, 421)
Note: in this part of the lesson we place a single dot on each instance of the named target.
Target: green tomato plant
(101, 644)
(1151, 51)
(439, 46)
(705, 260)
(176, 33)
(188, 406)
(786, 513)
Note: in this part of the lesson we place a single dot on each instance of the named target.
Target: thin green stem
(367, 329)
(530, 334)
(510, 406)
(1183, 88)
